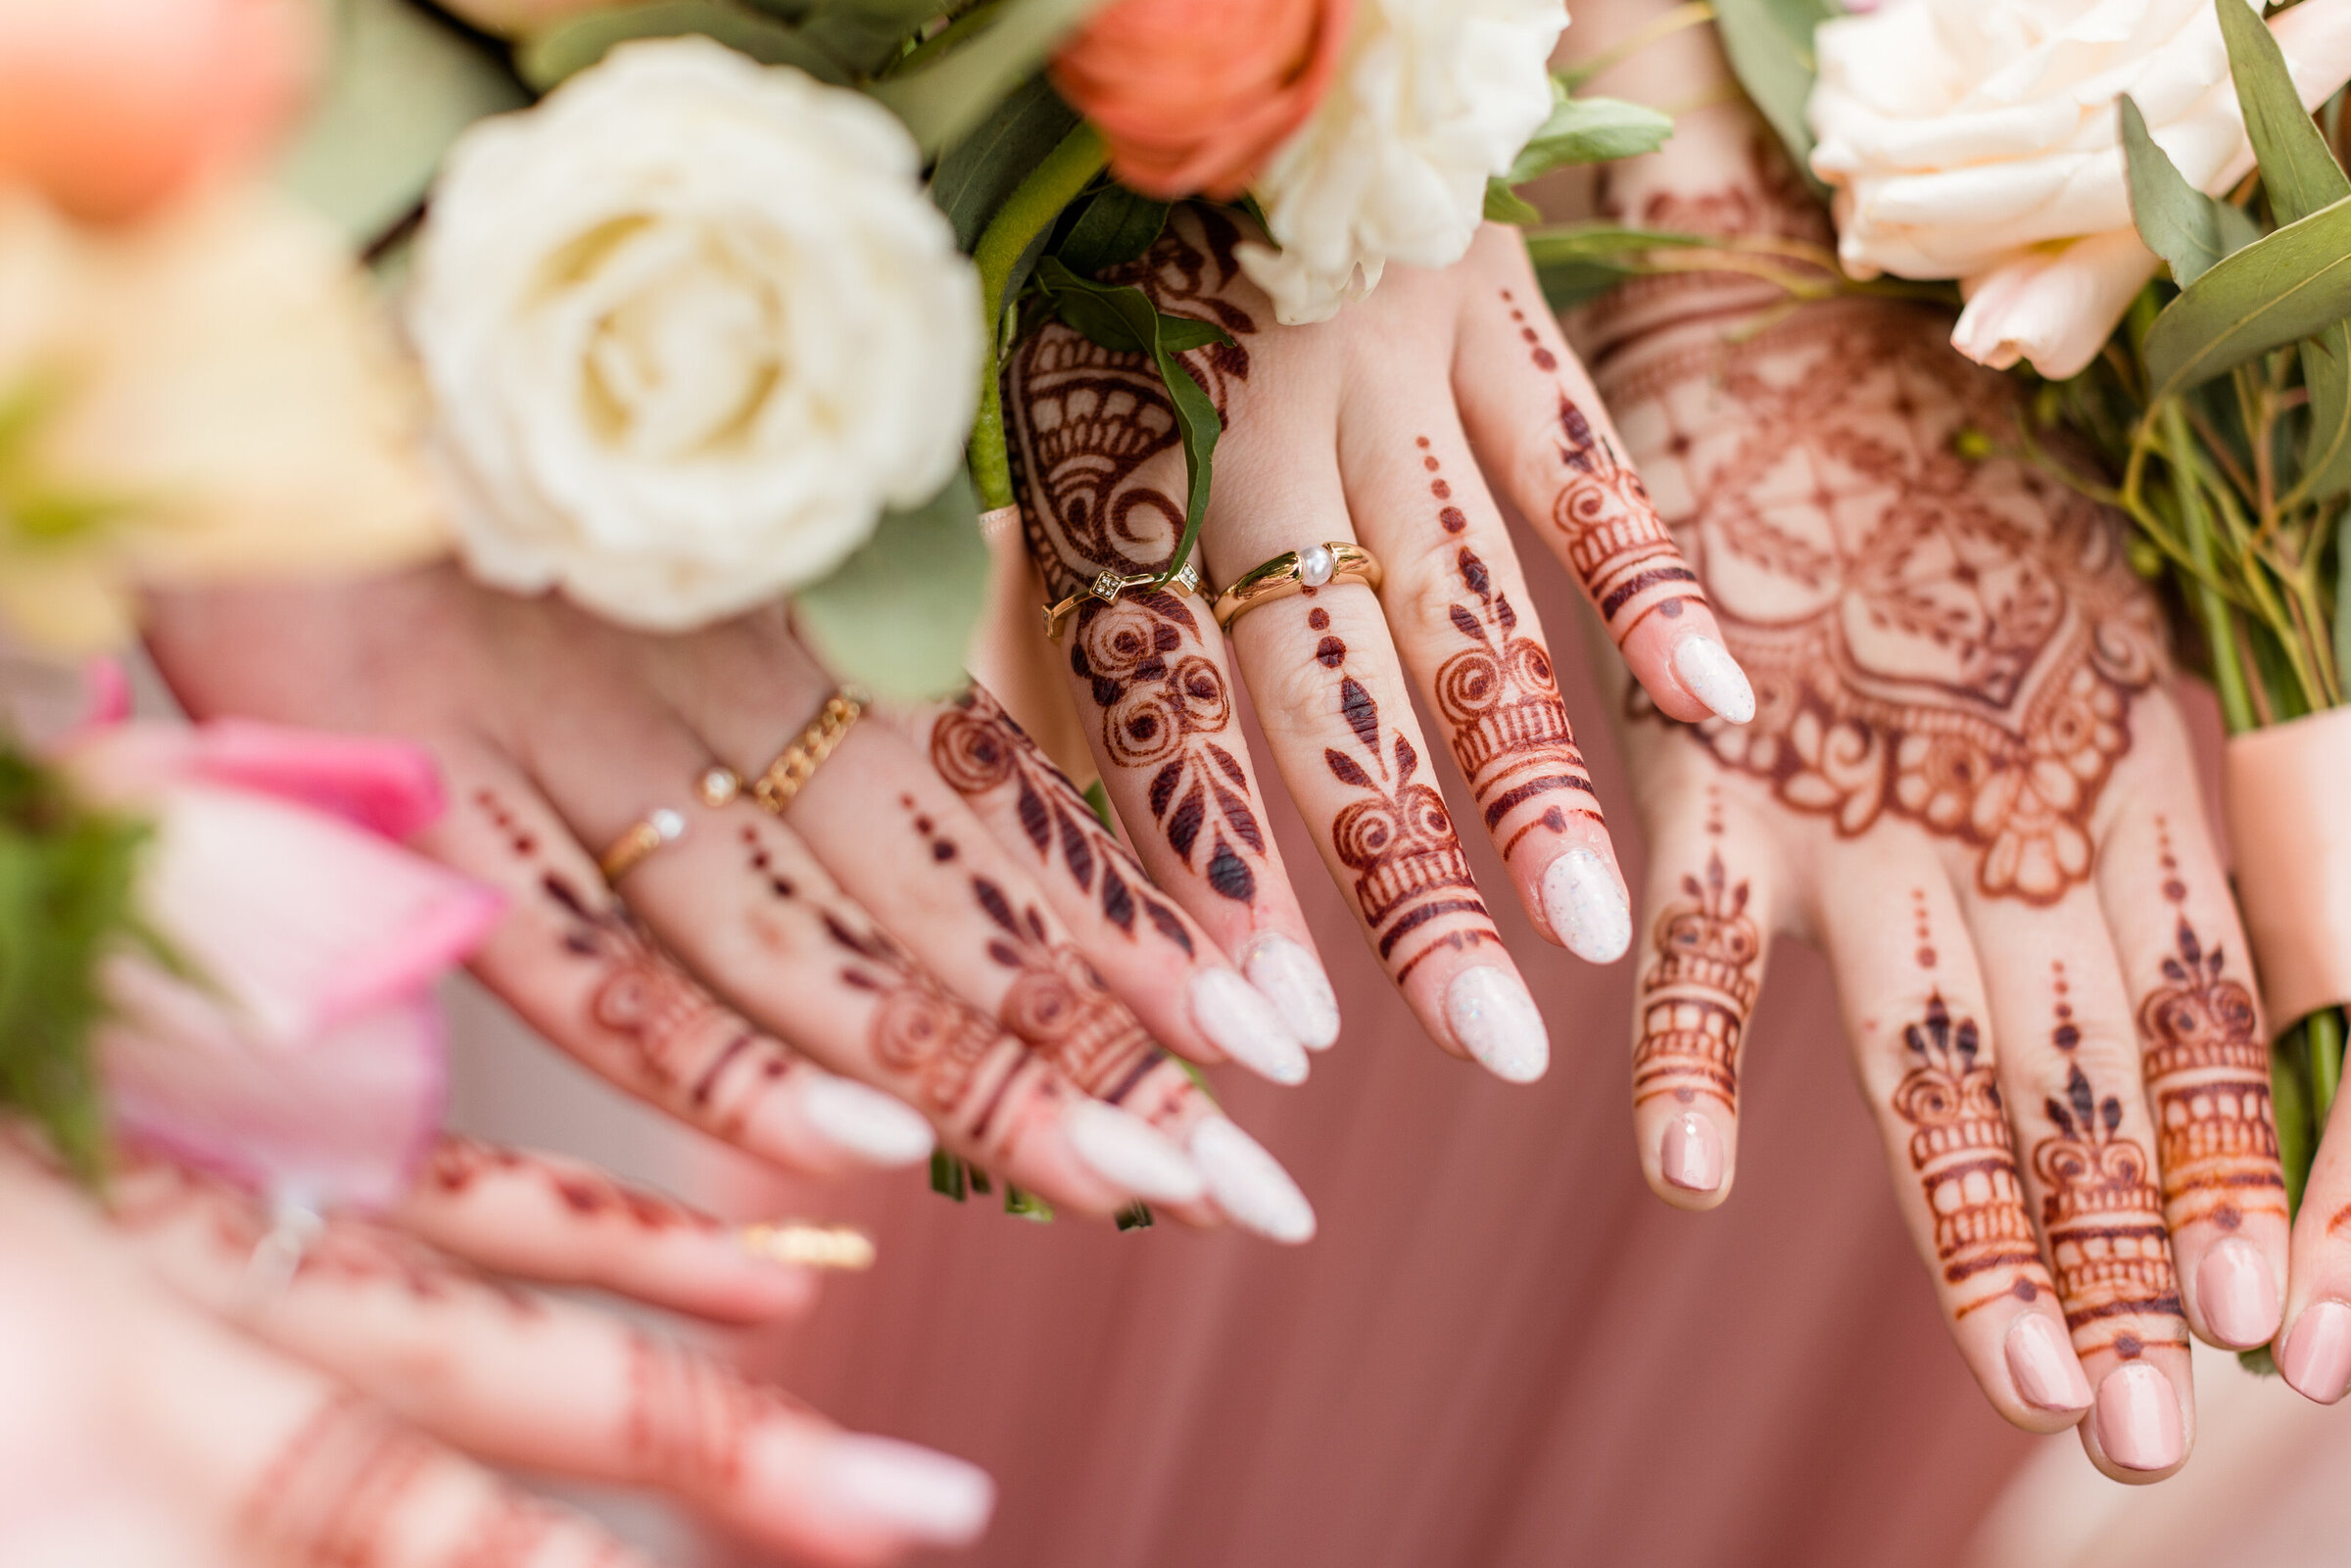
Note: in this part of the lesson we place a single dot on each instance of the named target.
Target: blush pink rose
(1193, 96)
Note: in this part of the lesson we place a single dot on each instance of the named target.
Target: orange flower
(1195, 95)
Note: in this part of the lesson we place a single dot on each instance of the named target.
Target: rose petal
(2057, 310)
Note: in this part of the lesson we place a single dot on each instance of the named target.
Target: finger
(1536, 422)
(1457, 605)
(1707, 909)
(559, 1221)
(2314, 1350)
(1913, 1003)
(2070, 1075)
(520, 1380)
(1153, 957)
(2206, 1058)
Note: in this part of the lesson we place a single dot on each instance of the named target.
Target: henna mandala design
(1961, 1151)
(1953, 644)
(2209, 1072)
(1695, 1000)
(979, 750)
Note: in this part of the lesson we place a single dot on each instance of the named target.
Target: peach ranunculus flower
(1194, 95)
(110, 107)
(1979, 140)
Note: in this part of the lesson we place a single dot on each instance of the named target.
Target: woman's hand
(1370, 428)
(880, 935)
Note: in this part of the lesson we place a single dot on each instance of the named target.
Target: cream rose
(691, 325)
(1432, 98)
(1978, 140)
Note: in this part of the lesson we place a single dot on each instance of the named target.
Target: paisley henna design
(2102, 1212)
(2208, 1073)
(979, 750)
(1695, 1000)
(1950, 642)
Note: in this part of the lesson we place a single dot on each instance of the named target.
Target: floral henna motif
(2208, 1073)
(1952, 644)
(1695, 998)
(979, 752)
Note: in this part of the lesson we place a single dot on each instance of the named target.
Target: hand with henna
(1371, 429)
(206, 1394)
(1966, 781)
(791, 985)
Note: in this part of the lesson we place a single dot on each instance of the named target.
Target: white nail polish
(1124, 1152)
(1714, 677)
(1291, 978)
(1243, 1024)
(1586, 907)
(1249, 1184)
(865, 1121)
(905, 1489)
(1495, 1022)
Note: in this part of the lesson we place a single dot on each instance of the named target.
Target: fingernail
(2318, 1352)
(1249, 1184)
(2238, 1294)
(1714, 677)
(1495, 1022)
(2139, 1418)
(1586, 907)
(1245, 1026)
(913, 1491)
(865, 1121)
(1291, 978)
(1689, 1154)
(1124, 1152)
(2042, 1365)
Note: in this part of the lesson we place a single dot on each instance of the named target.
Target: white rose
(1432, 98)
(691, 325)
(1978, 140)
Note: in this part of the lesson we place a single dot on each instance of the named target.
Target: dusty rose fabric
(1501, 1352)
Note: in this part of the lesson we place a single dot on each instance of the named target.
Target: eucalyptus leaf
(943, 101)
(1769, 43)
(2188, 229)
(2327, 450)
(2286, 286)
(570, 47)
(897, 616)
(1601, 242)
(980, 171)
(1115, 227)
(402, 82)
(1506, 206)
(1589, 130)
(865, 34)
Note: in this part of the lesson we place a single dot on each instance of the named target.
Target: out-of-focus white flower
(691, 325)
(1978, 140)
(1432, 99)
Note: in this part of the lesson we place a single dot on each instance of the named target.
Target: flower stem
(2228, 674)
(2325, 1028)
(1029, 212)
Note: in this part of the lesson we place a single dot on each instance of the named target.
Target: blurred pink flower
(303, 1052)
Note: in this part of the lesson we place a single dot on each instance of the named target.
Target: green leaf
(980, 171)
(898, 617)
(2283, 287)
(1770, 47)
(866, 35)
(1114, 227)
(2298, 172)
(2182, 224)
(1579, 261)
(1589, 130)
(570, 47)
(1121, 317)
(1506, 206)
(402, 82)
(2327, 450)
(943, 101)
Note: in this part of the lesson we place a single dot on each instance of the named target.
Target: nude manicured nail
(1586, 907)
(2139, 1418)
(1714, 677)
(1124, 1152)
(2238, 1294)
(911, 1490)
(1245, 1025)
(2042, 1365)
(864, 1122)
(1249, 1184)
(1495, 1022)
(1689, 1154)
(2317, 1360)
(1294, 982)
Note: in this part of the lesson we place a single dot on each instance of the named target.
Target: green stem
(2228, 674)
(1026, 213)
(2325, 1028)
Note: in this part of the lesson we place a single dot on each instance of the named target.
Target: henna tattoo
(2209, 1073)
(1951, 643)
(459, 1161)
(2100, 1210)
(689, 1415)
(1695, 998)
(918, 1028)
(332, 1491)
(983, 754)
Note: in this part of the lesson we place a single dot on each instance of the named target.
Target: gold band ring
(1294, 572)
(784, 779)
(645, 835)
(805, 1244)
(1107, 586)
